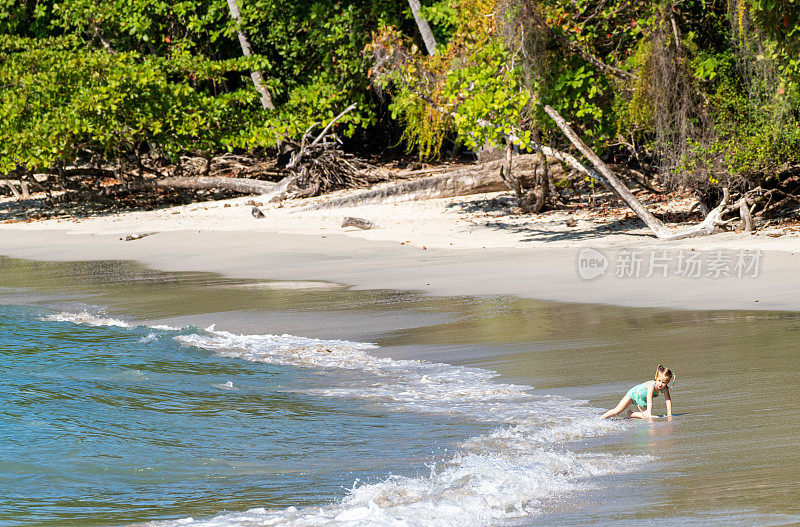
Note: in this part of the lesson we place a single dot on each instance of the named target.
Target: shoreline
(445, 247)
(522, 343)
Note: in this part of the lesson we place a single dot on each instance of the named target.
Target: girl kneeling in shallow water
(642, 395)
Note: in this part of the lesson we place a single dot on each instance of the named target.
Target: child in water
(642, 395)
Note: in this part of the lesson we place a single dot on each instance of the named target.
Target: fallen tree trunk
(706, 227)
(245, 186)
(14, 190)
(475, 179)
(279, 191)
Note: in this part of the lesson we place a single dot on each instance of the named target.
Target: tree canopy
(704, 92)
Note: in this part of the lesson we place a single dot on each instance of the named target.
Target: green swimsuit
(639, 394)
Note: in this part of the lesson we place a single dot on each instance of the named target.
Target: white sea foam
(476, 487)
(505, 475)
(165, 327)
(87, 318)
(281, 349)
(150, 337)
(227, 385)
(502, 476)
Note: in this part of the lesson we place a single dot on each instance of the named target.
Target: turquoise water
(109, 424)
(421, 414)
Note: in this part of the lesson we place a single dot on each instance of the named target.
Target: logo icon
(591, 263)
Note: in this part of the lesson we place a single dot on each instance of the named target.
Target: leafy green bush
(117, 77)
(718, 82)
(67, 99)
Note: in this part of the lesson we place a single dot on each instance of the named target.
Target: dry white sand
(462, 246)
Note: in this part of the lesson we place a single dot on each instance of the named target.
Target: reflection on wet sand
(728, 457)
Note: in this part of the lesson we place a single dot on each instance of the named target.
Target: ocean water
(108, 422)
(122, 403)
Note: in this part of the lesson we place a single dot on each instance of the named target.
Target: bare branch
(593, 60)
(707, 226)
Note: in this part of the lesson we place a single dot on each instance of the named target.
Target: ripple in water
(329, 412)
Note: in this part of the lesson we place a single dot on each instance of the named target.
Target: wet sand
(538, 272)
(459, 246)
(726, 459)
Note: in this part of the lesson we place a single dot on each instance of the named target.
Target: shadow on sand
(557, 229)
(542, 231)
(38, 207)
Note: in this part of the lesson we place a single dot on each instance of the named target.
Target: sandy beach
(455, 246)
(500, 391)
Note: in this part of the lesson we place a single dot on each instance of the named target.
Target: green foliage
(579, 92)
(442, 17)
(112, 78)
(422, 126)
(487, 101)
(118, 77)
(315, 51)
(65, 99)
(755, 137)
(777, 19)
(467, 90)
(740, 119)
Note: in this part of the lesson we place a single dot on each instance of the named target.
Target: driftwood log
(243, 185)
(134, 237)
(706, 227)
(475, 179)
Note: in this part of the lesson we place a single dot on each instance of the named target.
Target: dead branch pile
(332, 169)
(229, 165)
(304, 169)
(320, 165)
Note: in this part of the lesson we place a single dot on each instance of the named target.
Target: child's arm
(668, 402)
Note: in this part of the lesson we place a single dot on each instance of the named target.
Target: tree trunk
(543, 172)
(245, 186)
(247, 50)
(744, 213)
(706, 227)
(475, 179)
(12, 187)
(424, 28)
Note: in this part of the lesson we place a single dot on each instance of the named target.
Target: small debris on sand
(132, 237)
(360, 223)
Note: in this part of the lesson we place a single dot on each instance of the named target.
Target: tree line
(704, 93)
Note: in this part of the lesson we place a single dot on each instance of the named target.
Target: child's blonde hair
(662, 370)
